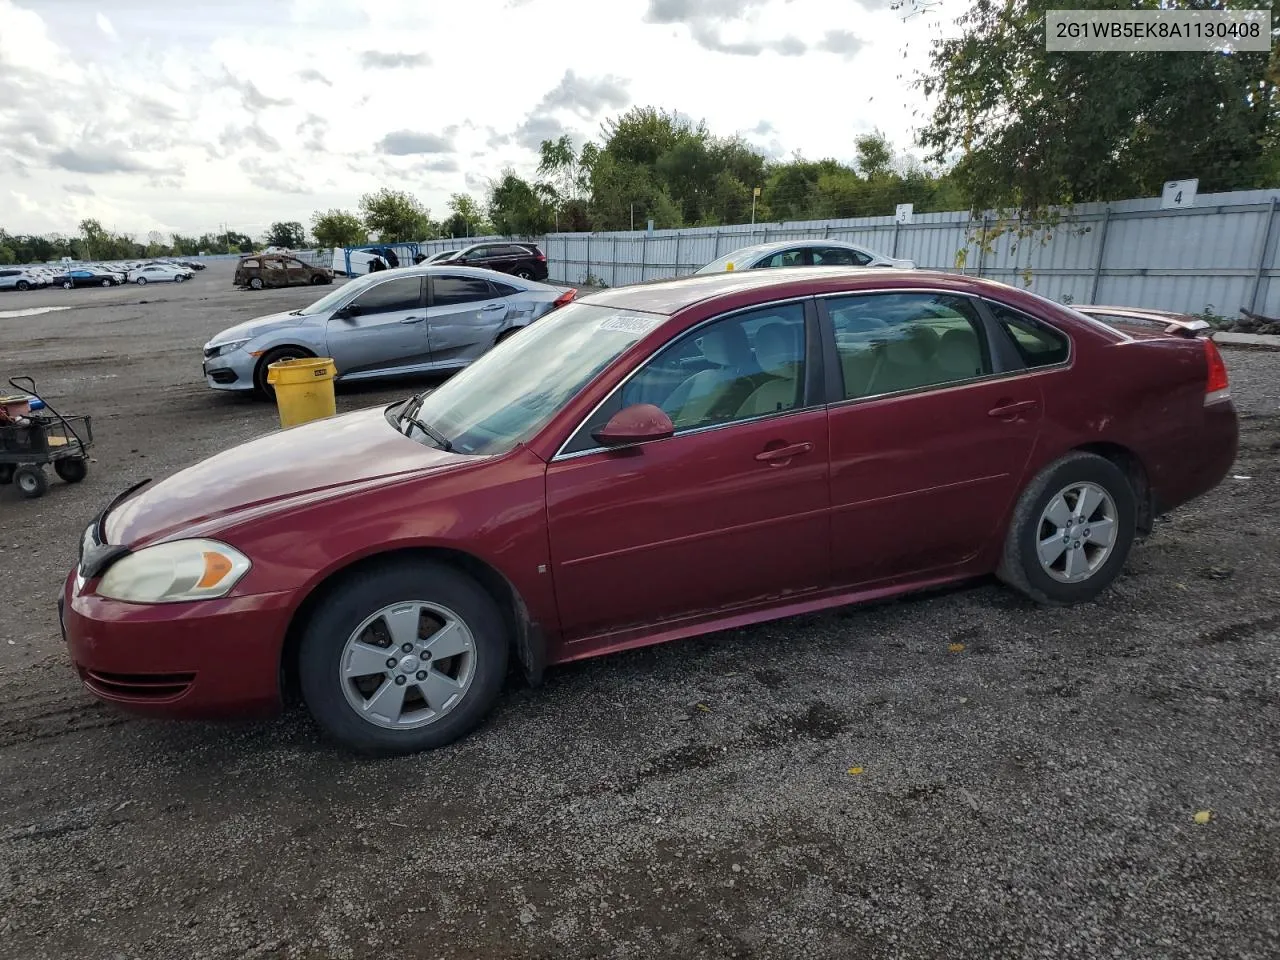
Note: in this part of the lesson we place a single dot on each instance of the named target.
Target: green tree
(287, 233)
(396, 216)
(7, 255)
(1028, 129)
(338, 228)
(517, 208)
(873, 156)
(466, 218)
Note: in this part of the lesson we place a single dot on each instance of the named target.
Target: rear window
(1037, 344)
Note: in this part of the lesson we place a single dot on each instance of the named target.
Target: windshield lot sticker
(637, 325)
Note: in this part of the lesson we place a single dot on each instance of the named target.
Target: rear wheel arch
(527, 640)
(1133, 468)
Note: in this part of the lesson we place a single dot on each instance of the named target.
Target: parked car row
(80, 274)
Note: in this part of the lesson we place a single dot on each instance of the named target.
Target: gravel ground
(960, 775)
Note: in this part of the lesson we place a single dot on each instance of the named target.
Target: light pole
(754, 193)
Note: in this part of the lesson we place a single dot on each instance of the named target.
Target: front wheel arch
(528, 642)
(269, 356)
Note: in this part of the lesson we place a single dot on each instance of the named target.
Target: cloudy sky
(184, 116)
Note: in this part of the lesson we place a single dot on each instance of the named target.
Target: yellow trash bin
(304, 389)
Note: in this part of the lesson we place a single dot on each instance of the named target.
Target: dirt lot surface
(1028, 779)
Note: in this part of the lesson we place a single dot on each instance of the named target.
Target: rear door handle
(783, 453)
(1011, 410)
(412, 319)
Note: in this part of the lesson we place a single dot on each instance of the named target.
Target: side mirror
(348, 312)
(638, 423)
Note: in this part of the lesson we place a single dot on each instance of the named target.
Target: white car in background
(158, 273)
(21, 278)
(803, 253)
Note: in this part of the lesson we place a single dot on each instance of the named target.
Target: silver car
(413, 320)
(803, 253)
(20, 278)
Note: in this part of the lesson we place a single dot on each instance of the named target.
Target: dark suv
(523, 260)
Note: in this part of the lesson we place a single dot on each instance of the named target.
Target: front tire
(403, 657)
(71, 471)
(255, 283)
(106, 283)
(179, 278)
(264, 389)
(67, 284)
(1071, 531)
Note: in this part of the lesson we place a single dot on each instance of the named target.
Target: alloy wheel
(407, 665)
(1077, 532)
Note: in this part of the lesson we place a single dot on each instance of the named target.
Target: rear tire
(23, 285)
(67, 284)
(71, 471)
(31, 481)
(106, 283)
(335, 700)
(141, 281)
(179, 278)
(1053, 551)
(524, 273)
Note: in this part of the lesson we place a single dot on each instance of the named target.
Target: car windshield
(736, 257)
(511, 393)
(339, 294)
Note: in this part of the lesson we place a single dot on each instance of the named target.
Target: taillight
(542, 257)
(564, 298)
(1216, 387)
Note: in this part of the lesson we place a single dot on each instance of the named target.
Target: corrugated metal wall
(1130, 252)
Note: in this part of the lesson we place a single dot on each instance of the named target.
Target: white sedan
(158, 274)
(803, 253)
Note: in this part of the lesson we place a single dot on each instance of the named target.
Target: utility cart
(33, 434)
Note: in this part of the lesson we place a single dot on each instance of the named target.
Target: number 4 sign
(1178, 193)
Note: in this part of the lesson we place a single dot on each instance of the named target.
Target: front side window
(507, 396)
(741, 367)
(448, 291)
(888, 342)
(268, 264)
(402, 294)
(1037, 344)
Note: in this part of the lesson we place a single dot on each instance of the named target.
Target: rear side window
(1038, 345)
(891, 342)
(447, 291)
(249, 263)
(502, 289)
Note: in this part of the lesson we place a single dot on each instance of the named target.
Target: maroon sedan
(645, 464)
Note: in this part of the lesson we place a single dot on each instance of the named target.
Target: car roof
(671, 296)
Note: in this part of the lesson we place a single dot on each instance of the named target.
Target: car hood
(257, 326)
(309, 462)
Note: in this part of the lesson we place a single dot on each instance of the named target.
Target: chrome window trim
(560, 455)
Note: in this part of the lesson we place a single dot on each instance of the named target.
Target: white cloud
(105, 26)
(185, 122)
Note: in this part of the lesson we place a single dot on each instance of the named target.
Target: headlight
(224, 348)
(175, 572)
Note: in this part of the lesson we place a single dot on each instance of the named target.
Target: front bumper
(231, 371)
(209, 659)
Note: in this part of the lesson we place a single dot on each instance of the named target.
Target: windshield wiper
(295, 313)
(409, 415)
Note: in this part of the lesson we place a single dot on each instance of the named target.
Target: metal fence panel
(1221, 254)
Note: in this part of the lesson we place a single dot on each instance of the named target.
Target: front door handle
(1010, 410)
(489, 307)
(776, 454)
(412, 319)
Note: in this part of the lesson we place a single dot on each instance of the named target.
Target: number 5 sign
(904, 213)
(1178, 193)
